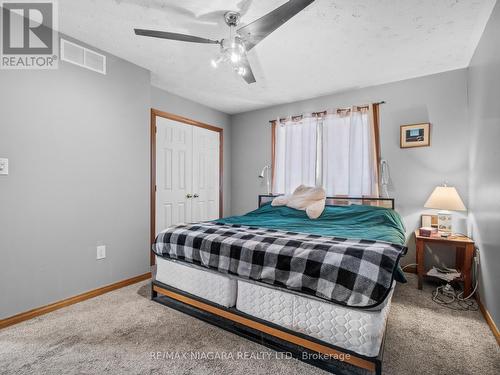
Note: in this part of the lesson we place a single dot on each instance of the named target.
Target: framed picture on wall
(415, 135)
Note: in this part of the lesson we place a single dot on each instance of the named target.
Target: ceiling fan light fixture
(238, 45)
(241, 71)
(215, 62)
(235, 57)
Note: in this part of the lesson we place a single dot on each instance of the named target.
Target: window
(295, 159)
(338, 151)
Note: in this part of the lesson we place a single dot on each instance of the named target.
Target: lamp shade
(445, 198)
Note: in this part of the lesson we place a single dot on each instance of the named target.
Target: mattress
(360, 331)
(213, 287)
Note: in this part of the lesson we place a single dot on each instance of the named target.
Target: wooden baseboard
(70, 301)
(488, 319)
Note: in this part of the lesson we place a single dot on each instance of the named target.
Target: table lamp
(265, 174)
(445, 199)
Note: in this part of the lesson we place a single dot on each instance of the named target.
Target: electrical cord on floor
(448, 297)
(409, 265)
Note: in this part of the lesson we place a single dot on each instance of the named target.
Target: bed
(339, 332)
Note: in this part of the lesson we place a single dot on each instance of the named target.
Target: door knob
(196, 196)
(189, 196)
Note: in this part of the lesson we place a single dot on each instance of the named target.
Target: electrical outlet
(101, 252)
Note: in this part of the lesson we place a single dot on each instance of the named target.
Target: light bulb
(242, 71)
(235, 57)
(214, 63)
(239, 45)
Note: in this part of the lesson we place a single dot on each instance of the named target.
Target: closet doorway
(186, 171)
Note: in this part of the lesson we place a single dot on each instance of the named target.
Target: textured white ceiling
(331, 46)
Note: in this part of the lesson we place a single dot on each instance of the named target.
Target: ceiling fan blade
(254, 32)
(174, 36)
(248, 76)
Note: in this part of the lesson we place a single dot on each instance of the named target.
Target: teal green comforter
(355, 221)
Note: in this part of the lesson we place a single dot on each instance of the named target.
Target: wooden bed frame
(303, 347)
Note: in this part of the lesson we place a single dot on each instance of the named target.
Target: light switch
(101, 252)
(4, 166)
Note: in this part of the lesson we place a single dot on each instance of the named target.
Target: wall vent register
(83, 57)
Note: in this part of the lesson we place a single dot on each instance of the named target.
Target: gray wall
(78, 148)
(168, 102)
(484, 114)
(439, 99)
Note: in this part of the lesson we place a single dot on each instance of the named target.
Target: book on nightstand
(428, 231)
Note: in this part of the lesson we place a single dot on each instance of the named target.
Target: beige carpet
(117, 333)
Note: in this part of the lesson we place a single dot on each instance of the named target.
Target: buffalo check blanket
(350, 272)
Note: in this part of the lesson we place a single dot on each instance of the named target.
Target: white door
(174, 182)
(187, 173)
(205, 204)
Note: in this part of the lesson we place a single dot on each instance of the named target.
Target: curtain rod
(315, 114)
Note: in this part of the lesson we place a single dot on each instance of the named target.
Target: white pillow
(282, 200)
(305, 198)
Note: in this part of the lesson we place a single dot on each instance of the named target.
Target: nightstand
(464, 253)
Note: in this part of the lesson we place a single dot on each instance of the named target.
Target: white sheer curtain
(337, 151)
(295, 154)
(349, 160)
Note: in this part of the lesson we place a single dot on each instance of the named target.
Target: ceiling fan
(233, 50)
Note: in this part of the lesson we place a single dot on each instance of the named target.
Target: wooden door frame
(184, 120)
